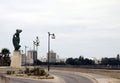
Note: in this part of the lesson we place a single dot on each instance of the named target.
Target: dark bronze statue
(16, 40)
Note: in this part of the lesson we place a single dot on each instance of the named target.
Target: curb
(55, 80)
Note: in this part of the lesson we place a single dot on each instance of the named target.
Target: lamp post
(25, 54)
(36, 43)
(53, 37)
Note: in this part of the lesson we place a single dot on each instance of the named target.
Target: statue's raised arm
(16, 40)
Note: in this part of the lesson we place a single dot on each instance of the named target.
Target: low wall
(4, 79)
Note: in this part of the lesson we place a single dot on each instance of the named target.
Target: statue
(16, 40)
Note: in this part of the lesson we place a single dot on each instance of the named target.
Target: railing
(117, 67)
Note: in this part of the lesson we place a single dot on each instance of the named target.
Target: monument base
(16, 61)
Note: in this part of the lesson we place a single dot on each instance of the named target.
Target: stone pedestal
(16, 59)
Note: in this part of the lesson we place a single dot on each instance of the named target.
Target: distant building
(52, 57)
(31, 56)
(59, 59)
(97, 61)
(43, 59)
(62, 59)
(23, 58)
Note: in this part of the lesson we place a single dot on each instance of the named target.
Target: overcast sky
(90, 28)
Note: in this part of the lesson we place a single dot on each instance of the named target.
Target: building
(31, 56)
(60, 59)
(52, 57)
(23, 58)
(97, 61)
(43, 59)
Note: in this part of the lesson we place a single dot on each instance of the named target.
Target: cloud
(85, 27)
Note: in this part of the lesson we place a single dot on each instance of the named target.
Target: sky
(90, 28)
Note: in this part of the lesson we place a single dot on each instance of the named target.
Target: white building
(43, 59)
(23, 58)
(52, 57)
(31, 56)
(97, 61)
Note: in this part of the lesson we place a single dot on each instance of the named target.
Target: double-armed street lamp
(53, 37)
(36, 43)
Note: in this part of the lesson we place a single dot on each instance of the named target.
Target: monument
(16, 61)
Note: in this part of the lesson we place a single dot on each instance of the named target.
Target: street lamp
(36, 43)
(53, 37)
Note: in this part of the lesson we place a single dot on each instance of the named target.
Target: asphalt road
(20, 80)
(72, 78)
(67, 77)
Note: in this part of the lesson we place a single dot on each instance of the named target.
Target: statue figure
(16, 40)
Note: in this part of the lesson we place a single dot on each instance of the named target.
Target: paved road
(67, 77)
(19, 80)
(72, 78)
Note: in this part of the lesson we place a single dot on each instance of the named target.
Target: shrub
(20, 72)
(46, 75)
(9, 72)
(27, 70)
(28, 74)
(39, 72)
(42, 72)
(35, 71)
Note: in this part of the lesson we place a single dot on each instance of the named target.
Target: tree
(70, 61)
(88, 62)
(4, 57)
(80, 61)
(37, 62)
(110, 61)
(5, 52)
